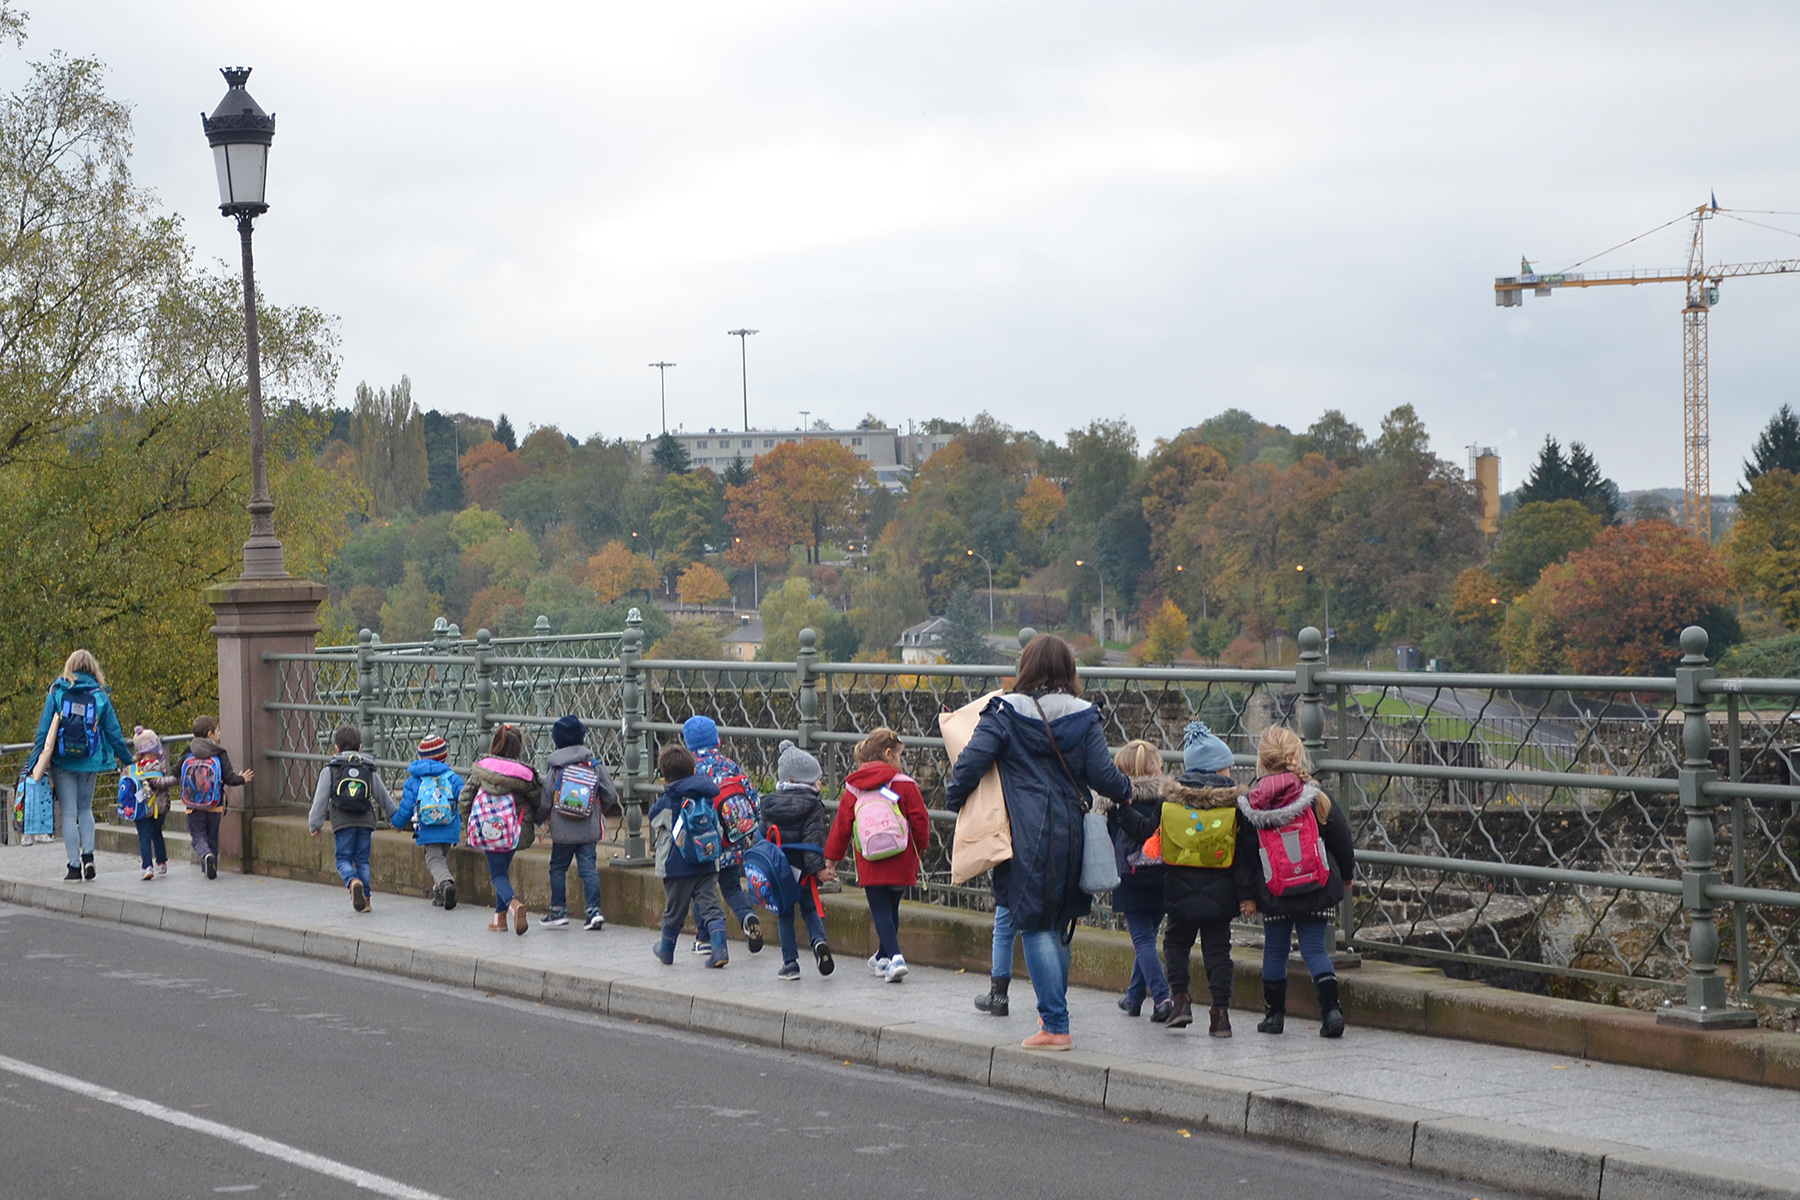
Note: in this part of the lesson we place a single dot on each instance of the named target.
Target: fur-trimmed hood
(1147, 787)
(1277, 799)
(1191, 796)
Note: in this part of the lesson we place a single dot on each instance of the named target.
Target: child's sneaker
(595, 923)
(359, 895)
(878, 965)
(556, 918)
(753, 937)
(149, 873)
(896, 968)
(822, 956)
(789, 973)
(162, 868)
(437, 895)
(211, 865)
(449, 894)
(701, 947)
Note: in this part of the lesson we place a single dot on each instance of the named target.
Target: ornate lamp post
(240, 133)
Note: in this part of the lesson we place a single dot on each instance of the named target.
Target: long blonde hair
(1139, 759)
(83, 661)
(1280, 749)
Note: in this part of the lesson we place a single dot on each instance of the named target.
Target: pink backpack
(880, 829)
(1293, 856)
(493, 816)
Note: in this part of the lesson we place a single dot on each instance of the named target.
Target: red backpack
(737, 810)
(1293, 856)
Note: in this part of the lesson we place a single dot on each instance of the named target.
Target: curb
(1542, 1163)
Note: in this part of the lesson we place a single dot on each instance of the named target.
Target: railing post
(1706, 1002)
(805, 661)
(1312, 736)
(365, 687)
(631, 717)
(1740, 914)
(484, 689)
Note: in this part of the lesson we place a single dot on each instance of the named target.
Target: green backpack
(1198, 837)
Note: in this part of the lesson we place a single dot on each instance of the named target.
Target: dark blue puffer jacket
(1043, 882)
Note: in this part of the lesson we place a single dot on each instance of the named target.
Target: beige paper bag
(983, 834)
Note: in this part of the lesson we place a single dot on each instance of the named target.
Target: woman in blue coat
(1050, 749)
(88, 741)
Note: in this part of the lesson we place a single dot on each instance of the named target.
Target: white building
(892, 454)
(924, 642)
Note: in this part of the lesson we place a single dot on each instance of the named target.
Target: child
(573, 832)
(501, 791)
(1139, 896)
(701, 736)
(351, 792)
(203, 774)
(1287, 799)
(430, 804)
(1200, 898)
(686, 883)
(795, 811)
(150, 784)
(878, 797)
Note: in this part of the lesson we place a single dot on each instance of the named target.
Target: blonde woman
(78, 736)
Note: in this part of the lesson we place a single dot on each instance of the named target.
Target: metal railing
(1556, 832)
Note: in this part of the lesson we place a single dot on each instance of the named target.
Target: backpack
(770, 877)
(435, 804)
(696, 831)
(494, 821)
(1198, 837)
(350, 791)
(1293, 856)
(737, 811)
(201, 788)
(575, 786)
(78, 735)
(128, 797)
(880, 829)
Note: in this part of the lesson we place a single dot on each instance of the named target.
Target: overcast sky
(1050, 211)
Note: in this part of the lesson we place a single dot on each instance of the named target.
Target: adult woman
(88, 741)
(1048, 745)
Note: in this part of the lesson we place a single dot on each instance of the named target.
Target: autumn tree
(1538, 534)
(801, 493)
(689, 642)
(1166, 636)
(1764, 550)
(387, 434)
(1039, 506)
(701, 584)
(615, 571)
(488, 469)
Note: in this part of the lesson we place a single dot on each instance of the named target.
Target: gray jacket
(382, 805)
(564, 829)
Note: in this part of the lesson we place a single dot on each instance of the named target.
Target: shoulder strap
(1059, 754)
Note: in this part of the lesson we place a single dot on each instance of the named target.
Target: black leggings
(884, 911)
(1215, 955)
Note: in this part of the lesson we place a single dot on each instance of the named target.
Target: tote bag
(983, 838)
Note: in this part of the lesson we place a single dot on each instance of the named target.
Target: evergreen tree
(443, 492)
(503, 433)
(669, 454)
(1549, 477)
(963, 642)
(1776, 449)
(1598, 494)
(737, 472)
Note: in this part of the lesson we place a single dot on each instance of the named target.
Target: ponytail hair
(507, 743)
(878, 744)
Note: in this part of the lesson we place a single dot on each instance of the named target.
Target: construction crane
(1702, 294)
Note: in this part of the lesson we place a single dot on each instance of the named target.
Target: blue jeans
(75, 796)
(1004, 940)
(1047, 958)
(583, 855)
(784, 923)
(353, 847)
(884, 914)
(1276, 934)
(1146, 969)
(731, 891)
(150, 841)
(500, 871)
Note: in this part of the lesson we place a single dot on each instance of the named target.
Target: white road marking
(367, 1180)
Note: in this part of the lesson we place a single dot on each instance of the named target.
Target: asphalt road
(445, 1093)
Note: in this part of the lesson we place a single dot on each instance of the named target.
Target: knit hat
(700, 734)
(433, 746)
(1201, 749)
(144, 741)
(568, 731)
(797, 765)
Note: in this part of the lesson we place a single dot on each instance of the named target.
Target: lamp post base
(1706, 1018)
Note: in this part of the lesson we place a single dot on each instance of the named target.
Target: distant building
(743, 642)
(1484, 469)
(924, 643)
(892, 455)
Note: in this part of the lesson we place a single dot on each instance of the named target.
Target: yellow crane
(1702, 293)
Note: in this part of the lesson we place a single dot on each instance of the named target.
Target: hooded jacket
(564, 829)
(1200, 894)
(902, 870)
(669, 862)
(1043, 884)
(509, 775)
(207, 748)
(1274, 801)
(113, 748)
(794, 809)
(1140, 887)
(380, 802)
(718, 766)
(429, 835)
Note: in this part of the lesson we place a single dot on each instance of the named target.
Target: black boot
(1331, 1014)
(87, 864)
(995, 1004)
(1274, 1006)
(1182, 1015)
(1129, 1008)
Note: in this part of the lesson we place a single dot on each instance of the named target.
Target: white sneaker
(878, 965)
(595, 923)
(896, 968)
(162, 868)
(149, 872)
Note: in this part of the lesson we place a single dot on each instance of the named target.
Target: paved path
(1534, 1093)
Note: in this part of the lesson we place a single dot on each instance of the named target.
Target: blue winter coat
(1042, 886)
(428, 835)
(112, 749)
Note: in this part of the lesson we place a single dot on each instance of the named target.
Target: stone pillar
(256, 617)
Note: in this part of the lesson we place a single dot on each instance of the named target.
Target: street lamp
(1328, 629)
(662, 384)
(743, 336)
(1102, 578)
(1506, 631)
(240, 133)
(755, 579)
(990, 570)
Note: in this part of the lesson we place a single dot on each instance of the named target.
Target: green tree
(410, 609)
(1538, 534)
(965, 625)
(1336, 438)
(1106, 460)
(785, 612)
(1574, 477)
(1763, 553)
(503, 433)
(387, 432)
(473, 526)
(737, 472)
(1548, 480)
(693, 641)
(1777, 448)
(443, 492)
(689, 508)
(1210, 636)
(670, 454)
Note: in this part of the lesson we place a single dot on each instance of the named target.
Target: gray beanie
(1201, 749)
(797, 765)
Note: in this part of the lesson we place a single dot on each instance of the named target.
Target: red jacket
(902, 870)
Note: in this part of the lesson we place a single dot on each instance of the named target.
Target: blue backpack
(696, 833)
(436, 805)
(770, 877)
(79, 734)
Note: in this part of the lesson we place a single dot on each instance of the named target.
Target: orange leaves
(487, 469)
(802, 492)
(614, 571)
(701, 584)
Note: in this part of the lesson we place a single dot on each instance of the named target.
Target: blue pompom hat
(699, 733)
(1201, 749)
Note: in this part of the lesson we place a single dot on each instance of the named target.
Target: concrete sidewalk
(1535, 1122)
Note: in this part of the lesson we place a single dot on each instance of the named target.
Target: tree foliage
(701, 584)
(1165, 636)
(802, 493)
(387, 435)
(1575, 476)
(1777, 448)
(1763, 552)
(615, 571)
(965, 625)
(1538, 534)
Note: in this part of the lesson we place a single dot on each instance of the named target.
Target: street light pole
(990, 571)
(1102, 579)
(1506, 631)
(743, 336)
(240, 134)
(1328, 630)
(662, 384)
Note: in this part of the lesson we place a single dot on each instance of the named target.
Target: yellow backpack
(1198, 837)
